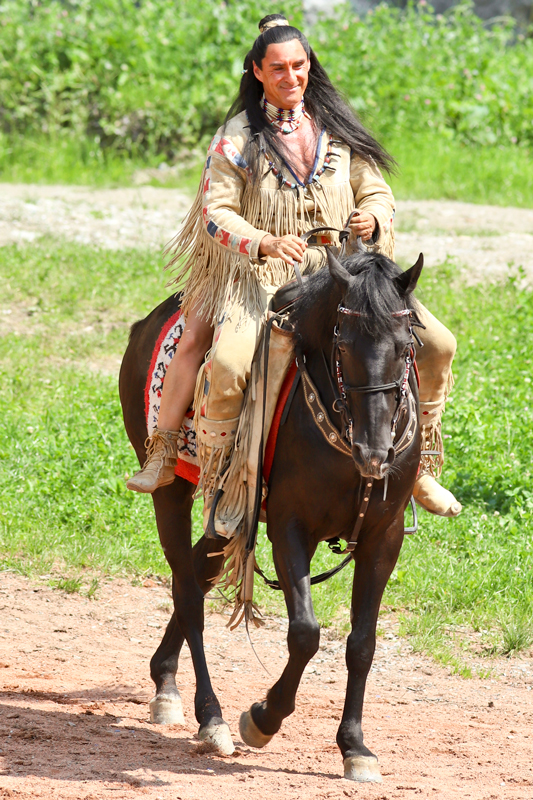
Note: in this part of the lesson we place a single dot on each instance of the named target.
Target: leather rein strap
(330, 432)
(404, 395)
(343, 238)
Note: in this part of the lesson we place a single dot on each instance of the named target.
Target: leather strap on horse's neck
(363, 508)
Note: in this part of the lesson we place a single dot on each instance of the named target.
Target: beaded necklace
(285, 120)
(326, 165)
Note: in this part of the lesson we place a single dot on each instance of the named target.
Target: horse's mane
(374, 294)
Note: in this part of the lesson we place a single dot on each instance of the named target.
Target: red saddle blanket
(164, 350)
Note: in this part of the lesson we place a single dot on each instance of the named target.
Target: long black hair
(322, 101)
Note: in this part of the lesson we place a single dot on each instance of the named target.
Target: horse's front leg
(292, 560)
(192, 572)
(375, 557)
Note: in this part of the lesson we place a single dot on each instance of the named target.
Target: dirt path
(75, 683)
(484, 239)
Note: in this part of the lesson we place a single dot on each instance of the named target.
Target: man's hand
(363, 225)
(290, 248)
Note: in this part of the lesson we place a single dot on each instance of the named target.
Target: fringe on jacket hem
(207, 270)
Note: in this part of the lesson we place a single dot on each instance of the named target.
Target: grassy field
(430, 167)
(65, 511)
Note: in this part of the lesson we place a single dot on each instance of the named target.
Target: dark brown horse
(354, 328)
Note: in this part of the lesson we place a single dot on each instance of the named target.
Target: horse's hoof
(217, 733)
(166, 709)
(363, 769)
(250, 733)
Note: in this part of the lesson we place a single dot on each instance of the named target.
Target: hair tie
(273, 23)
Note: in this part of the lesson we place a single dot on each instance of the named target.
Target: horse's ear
(340, 275)
(406, 282)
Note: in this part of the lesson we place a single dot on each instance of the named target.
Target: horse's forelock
(373, 292)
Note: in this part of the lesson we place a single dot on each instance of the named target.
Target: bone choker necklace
(285, 120)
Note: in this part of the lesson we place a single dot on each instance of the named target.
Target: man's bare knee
(194, 345)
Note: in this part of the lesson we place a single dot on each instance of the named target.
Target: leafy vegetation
(64, 454)
(412, 70)
(149, 76)
(94, 89)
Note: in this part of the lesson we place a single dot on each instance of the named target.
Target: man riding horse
(291, 156)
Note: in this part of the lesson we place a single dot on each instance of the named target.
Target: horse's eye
(402, 350)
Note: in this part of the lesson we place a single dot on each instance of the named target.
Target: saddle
(272, 361)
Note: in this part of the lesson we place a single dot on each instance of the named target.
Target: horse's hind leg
(191, 580)
(292, 560)
(375, 558)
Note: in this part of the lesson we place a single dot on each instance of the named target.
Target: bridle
(341, 390)
(401, 385)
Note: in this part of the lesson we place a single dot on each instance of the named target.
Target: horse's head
(372, 350)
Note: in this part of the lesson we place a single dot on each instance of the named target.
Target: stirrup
(414, 527)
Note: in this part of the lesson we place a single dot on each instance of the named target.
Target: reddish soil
(74, 716)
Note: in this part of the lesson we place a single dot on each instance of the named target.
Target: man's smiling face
(284, 73)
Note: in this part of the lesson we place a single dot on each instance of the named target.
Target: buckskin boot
(159, 467)
(427, 492)
(215, 440)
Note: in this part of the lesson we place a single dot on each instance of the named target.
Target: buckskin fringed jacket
(218, 243)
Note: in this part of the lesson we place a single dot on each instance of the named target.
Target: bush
(148, 76)
(412, 71)
(157, 76)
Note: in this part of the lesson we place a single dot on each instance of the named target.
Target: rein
(335, 440)
(340, 405)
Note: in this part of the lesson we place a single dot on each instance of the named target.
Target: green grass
(63, 159)
(430, 167)
(70, 159)
(65, 512)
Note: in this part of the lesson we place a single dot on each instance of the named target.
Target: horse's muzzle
(372, 463)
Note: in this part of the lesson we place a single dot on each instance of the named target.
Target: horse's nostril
(372, 463)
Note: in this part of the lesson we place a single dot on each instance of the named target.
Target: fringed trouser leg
(220, 391)
(435, 367)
